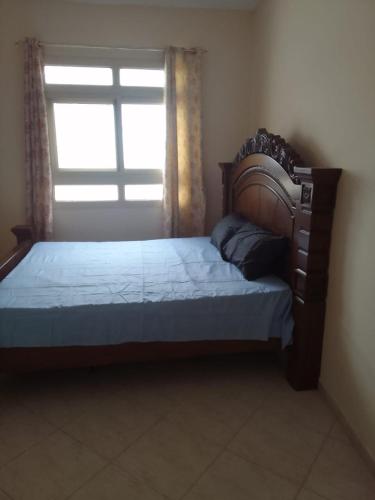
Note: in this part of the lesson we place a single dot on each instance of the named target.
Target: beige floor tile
(338, 432)
(309, 495)
(223, 376)
(232, 478)
(88, 380)
(303, 407)
(60, 407)
(278, 444)
(202, 404)
(113, 425)
(169, 458)
(340, 474)
(153, 396)
(242, 382)
(3, 496)
(49, 471)
(241, 389)
(211, 419)
(19, 430)
(63, 396)
(174, 382)
(217, 414)
(115, 484)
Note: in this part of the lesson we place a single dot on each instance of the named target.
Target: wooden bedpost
(310, 259)
(24, 236)
(23, 233)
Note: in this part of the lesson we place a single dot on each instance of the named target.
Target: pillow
(255, 251)
(225, 229)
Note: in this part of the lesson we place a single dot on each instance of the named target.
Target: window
(104, 192)
(140, 191)
(140, 121)
(107, 130)
(85, 136)
(142, 77)
(78, 75)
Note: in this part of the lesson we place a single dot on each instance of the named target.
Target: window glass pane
(85, 135)
(143, 129)
(86, 193)
(78, 75)
(135, 192)
(142, 77)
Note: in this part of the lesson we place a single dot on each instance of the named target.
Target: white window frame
(117, 95)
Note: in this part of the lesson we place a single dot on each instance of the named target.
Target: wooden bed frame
(268, 184)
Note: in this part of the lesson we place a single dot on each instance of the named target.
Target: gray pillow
(225, 229)
(255, 251)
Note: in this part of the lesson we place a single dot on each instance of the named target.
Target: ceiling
(203, 4)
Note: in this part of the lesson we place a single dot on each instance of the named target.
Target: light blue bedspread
(71, 294)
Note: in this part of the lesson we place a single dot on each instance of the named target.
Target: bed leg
(304, 360)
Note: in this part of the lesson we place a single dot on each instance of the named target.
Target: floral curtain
(37, 157)
(184, 199)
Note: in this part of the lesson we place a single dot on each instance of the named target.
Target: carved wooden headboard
(268, 183)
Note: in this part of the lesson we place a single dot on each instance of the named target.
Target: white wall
(226, 106)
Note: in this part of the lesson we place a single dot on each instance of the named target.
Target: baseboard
(355, 440)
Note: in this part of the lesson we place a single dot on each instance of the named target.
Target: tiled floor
(224, 429)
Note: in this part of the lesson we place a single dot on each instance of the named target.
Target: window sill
(107, 204)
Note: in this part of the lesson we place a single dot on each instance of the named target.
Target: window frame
(115, 95)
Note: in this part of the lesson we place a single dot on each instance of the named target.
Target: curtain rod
(102, 47)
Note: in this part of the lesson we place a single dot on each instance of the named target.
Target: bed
(85, 304)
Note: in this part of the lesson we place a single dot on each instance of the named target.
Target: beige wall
(226, 111)
(315, 85)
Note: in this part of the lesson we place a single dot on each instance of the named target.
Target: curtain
(184, 199)
(37, 157)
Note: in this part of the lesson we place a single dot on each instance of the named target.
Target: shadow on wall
(309, 151)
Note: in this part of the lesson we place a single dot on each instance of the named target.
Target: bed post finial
(23, 233)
